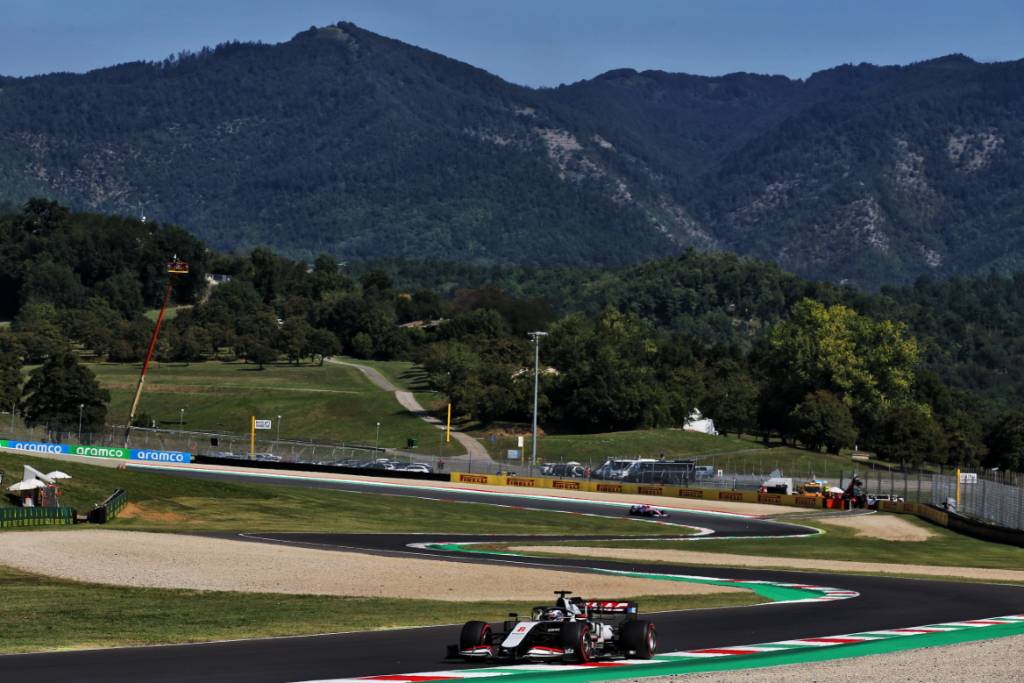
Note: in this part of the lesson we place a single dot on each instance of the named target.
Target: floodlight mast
(536, 337)
(174, 267)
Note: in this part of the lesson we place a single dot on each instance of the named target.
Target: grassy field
(333, 402)
(944, 549)
(105, 616)
(160, 502)
(170, 314)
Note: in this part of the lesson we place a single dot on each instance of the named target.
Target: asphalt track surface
(883, 603)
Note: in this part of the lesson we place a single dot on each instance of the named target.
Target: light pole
(80, 407)
(12, 418)
(535, 336)
(279, 428)
(376, 442)
(181, 419)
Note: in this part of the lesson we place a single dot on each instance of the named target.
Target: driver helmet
(554, 615)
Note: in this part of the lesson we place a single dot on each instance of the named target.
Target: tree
(867, 364)
(256, 350)
(293, 338)
(56, 389)
(822, 420)
(908, 435)
(731, 397)
(322, 343)
(10, 380)
(188, 346)
(1005, 441)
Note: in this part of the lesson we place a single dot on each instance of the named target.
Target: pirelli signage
(516, 481)
(769, 498)
(473, 478)
(571, 485)
(650, 490)
(808, 501)
(736, 496)
(609, 488)
(691, 493)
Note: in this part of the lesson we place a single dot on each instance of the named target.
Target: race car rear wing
(611, 607)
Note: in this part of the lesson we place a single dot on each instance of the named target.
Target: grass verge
(88, 615)
(945, 549)
(162, 502)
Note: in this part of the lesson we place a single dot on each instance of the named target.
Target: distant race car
(572, 630)
(646, 511)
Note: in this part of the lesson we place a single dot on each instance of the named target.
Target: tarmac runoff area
(988, 660)
(149, 560)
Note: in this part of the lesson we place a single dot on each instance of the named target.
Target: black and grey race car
(572, 630)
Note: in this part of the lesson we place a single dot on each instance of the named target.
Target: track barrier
(11, 518)
(141, 454)
(108, 509)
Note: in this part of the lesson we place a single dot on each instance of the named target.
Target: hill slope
(344, 141)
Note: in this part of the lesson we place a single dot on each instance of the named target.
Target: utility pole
(536, 337)
(80, 407)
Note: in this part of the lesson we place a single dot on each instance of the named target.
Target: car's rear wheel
(475, 634)
(640, 639)
(576, 642)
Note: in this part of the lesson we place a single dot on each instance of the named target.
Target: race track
(883, 603)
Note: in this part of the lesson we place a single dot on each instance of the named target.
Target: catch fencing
(991, 497)
(11, 518)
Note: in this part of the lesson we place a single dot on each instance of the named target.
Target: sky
(530, 42)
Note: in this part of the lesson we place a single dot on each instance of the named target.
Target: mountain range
(350, 143)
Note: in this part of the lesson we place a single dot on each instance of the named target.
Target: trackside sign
(98, 451)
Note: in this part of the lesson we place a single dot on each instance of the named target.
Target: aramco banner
(98, 451)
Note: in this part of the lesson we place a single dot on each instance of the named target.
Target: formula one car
(646, 511)
(572, 630)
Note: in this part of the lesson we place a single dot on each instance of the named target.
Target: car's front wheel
(576, 642)
(475, 634)
(639, 639)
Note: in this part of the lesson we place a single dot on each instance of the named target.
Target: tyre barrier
(109, 508)
(11, 518)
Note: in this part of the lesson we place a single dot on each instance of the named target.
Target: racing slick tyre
(638, 637)
(475, 634)
(576, 642)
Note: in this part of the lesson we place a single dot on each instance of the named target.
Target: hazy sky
(532, 42)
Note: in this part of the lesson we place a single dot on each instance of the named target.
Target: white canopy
(29, 473)
(27, 485)
(57, 474)
(835, 489)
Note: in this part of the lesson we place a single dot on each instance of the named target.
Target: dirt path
(686, 557)
(474, 449)
(149, 560)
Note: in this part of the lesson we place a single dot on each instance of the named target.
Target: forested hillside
(344, 142)
(929, 372)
